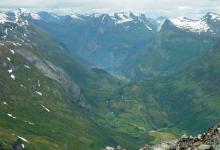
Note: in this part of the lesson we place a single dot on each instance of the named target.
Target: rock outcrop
(209, 140)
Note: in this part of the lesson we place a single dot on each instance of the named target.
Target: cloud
(158, 7)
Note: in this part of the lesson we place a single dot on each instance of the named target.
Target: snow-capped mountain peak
(3, 18)
(214, 17)
(26, 13)
(18, 16)
(123, 17)
(190, 24)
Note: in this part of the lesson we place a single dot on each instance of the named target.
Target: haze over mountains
(124, 37)
(87, 81)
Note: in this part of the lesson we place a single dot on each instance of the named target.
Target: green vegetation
(64, 127)
(107, 111)
(161, 136)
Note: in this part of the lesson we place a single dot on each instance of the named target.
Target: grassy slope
(64, 127)
(190, 98)
(154, 105)
(98, 87)
(168, 53)
(174, 102)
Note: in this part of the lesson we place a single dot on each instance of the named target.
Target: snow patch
(10, 71)
(214, 16)
(12, 43)
(23, 139)
(39, 93)
(28, 122)
(123, 18)
(18, 44)
(12, 76)
(10, 115)
(74, 16)
(149, 28)
(38, 83)
(26, 66)
(35, 16)
(45, 108)
(3, 18)
(192, 25)
(8, 58)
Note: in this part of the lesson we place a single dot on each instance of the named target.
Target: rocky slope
(209, 140)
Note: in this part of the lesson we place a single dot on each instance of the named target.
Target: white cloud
(157, 7)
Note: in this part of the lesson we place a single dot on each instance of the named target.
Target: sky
(169, 8)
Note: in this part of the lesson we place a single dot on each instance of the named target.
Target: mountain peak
(190, 24)
(26, 13)
(211, 16)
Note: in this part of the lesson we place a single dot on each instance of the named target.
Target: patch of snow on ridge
(26, 12)
(123, 17)
(35, 16)
(75, 16)
(149, 28)
(213, 16)
(192, 25)
(3, 18)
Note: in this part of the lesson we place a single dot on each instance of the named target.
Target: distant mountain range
(114, 41)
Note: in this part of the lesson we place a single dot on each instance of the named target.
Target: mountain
(189, 98)
(177, 43)
(130, 45)
(91, 92)
(42, 98)
(56, 77)
(103, 40)
(128, 57)
(34, 106)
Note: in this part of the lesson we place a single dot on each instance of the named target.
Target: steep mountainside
(178, 43)
(191, 97)
(104, 40)
(133, 46)
(37, 110)
(42, 102)
(64, 102)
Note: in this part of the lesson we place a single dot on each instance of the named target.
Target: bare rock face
(209, 140)
(55, 73)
